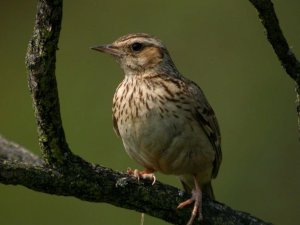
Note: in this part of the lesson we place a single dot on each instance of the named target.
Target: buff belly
(170, 144)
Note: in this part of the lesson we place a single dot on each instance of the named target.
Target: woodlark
(164, 119)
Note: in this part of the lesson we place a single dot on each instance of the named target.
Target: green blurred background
(219, 44)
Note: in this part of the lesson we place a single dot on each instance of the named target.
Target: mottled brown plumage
(165, 121)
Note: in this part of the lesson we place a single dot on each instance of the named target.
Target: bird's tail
(208, 190)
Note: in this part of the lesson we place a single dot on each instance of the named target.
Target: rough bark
(95, 183)
(40, 63)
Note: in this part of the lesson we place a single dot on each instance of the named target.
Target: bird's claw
(145, 174)
(197, 199)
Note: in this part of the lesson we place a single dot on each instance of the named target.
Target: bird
(164, 119)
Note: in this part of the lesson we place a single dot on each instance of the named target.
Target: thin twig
(280, 45)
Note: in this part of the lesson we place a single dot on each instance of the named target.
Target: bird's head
(140, 54)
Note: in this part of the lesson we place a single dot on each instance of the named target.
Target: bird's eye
(136, 46)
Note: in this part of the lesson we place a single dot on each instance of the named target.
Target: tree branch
(40, 63)
(280, 45)
(98, 184)
(11, 152)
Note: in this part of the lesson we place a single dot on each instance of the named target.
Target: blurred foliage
(219, 44)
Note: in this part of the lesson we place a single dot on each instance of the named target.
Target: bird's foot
(197, 199)
(145, 174)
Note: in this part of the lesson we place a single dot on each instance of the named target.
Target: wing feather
(208, 121)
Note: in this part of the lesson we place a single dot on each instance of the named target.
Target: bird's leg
(197, 199)
(145, 174)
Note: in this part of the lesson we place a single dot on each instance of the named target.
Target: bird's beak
(110, 49)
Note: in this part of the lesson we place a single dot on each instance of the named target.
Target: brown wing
(204, 114)
(208, 121)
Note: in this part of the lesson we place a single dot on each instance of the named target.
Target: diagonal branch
(280, 45)
(98, 184)
(13, 152)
